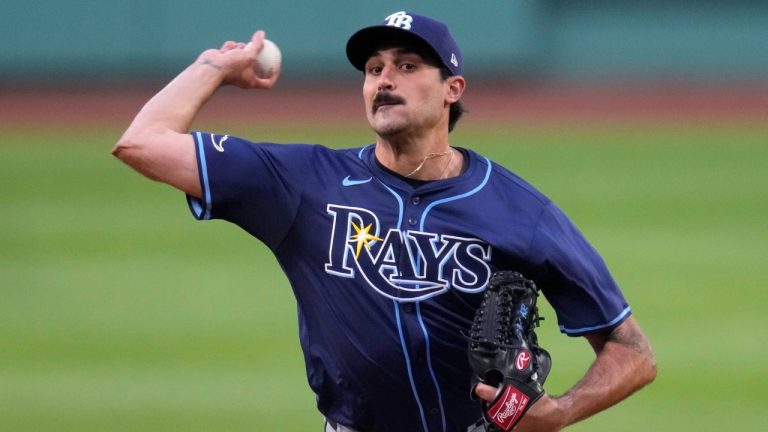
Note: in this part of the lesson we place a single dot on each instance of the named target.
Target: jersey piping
(584, 330)
(457, 197)
(420, 318)
(418, 307)
(429, 363)
(408, 366)
(423, 338)
(397, 314)
(201, 208)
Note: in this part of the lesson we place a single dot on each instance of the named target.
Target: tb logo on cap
(399, 19)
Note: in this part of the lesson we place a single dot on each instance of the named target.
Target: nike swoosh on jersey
(349, 182)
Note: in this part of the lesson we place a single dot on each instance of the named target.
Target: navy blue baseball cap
(407, 27)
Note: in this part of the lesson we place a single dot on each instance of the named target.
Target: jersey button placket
(413, 220)
(418, 354)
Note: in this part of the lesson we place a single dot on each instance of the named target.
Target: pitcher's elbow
(121, 148)
(116, 150)
(130, 149)
(649, 370)
(134, 154)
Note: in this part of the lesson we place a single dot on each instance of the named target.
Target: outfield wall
(112, 41)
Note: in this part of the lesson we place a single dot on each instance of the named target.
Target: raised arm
(624, 364)
(157, 143)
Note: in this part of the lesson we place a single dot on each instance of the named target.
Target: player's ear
(454, 88)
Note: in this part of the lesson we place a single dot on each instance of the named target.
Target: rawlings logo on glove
(508, 408)
(504, 350)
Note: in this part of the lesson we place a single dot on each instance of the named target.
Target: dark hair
(456, 109)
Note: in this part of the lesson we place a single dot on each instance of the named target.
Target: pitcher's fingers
(486, 392)
(228, 45)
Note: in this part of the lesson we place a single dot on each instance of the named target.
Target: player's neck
(419, 159)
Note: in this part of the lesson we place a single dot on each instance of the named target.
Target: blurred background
(646, 121)
(130, 41)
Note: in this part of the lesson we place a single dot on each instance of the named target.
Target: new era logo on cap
(412, 28)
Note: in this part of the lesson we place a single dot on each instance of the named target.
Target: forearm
(157, 144)
(616, 374)
(171, 112)
(624, 364)
(175, 107)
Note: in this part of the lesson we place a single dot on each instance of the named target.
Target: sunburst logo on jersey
(363, 237)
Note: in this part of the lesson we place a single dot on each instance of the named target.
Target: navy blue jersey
(387, 275)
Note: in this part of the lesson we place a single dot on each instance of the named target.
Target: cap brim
(366, 41)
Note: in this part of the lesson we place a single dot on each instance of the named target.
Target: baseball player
(388, 247)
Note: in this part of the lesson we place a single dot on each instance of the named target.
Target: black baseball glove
(504, 350)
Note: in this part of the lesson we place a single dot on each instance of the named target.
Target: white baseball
(267, 60)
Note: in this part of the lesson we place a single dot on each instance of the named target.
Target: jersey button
(412, 221)
(416, 200)
(408, 307)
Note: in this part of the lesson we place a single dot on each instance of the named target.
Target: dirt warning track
(339, 103)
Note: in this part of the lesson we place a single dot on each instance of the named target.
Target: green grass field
(119, 312)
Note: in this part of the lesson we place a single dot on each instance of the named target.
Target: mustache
(386, 98)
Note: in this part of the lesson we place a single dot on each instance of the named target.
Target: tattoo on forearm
(212, 64)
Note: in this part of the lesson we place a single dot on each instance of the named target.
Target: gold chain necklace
(428, 157)
(444, 172)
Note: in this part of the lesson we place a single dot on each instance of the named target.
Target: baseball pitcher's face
(404, 93)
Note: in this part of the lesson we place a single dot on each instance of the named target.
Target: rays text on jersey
(403, 265)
